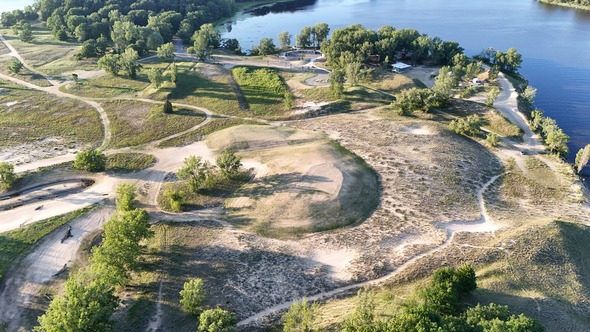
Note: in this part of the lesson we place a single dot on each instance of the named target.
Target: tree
(173, 73)
(130, 63)
(87, 305)
(492, 139)
(167, 107)
(415, 99)
(174, 198)
(557, 140)
(266, 46)
(166, 52)
(156, 77)
(301, 317)
(192, 295)
(467, 126)
(528, 94)
(111, 63)
(154, 40)
(363, 317)
(228, 163)
(15, 66)
(195, 171)
(336, 79)
(120, 247)
(125, 197)
(25, 34)
(303, 39)
(319, 33)
(216, 320)
(582, 157)
(445, 82)
(90, 160)
(7, 175)
(284, 39)
(492, 95)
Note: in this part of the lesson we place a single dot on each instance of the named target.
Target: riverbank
(569, 5)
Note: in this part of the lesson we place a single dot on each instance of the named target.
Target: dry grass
(134, 123)
(497, 123)
(28, 116)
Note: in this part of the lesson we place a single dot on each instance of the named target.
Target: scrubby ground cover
(129, 162)
(29, 115)
(134, 122)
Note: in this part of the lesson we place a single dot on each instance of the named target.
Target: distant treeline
(572, 3)
(92, 19)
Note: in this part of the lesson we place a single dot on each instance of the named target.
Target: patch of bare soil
(48, 147)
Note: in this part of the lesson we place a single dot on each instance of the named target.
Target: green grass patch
(200, 133)
(497, 123)
(263, 89)
(134, 123)
(108, 86)
(532, 185)
(356, 97)
(206, 86)
(28, 115)
(14, 244)
(129, 162)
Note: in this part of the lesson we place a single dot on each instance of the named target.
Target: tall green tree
(492, 95)
(156, 77)
(195, 171)
(130, 63)
(173, 73)
(26, 33)
(445, 82)
(303, 39)
(319, 33)
(166, 52)
(266, 46)
(284, 39)
(111, 63)
(336, 79)
(229, 164)
(125, 197)
(87, 305)
(7, 175)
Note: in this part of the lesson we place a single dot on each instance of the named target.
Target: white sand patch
(416, 130)
(337, 261)
(11, 103)
(308, 107)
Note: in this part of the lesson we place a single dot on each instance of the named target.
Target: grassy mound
(304, 182)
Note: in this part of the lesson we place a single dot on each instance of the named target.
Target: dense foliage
(555, 138)
(436, 307)
(7, 175)
(90, 160)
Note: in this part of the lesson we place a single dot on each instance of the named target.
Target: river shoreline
(567, 5)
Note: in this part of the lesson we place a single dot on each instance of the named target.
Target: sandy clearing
(337, 260)
(24, 280)
(422, 130)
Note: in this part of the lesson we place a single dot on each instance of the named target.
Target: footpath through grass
(134, 123)
(20, 241)
(28, 115)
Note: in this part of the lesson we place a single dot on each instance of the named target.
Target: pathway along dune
(483, 225)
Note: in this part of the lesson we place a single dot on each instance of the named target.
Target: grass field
(108, 86)
(48, 54)
(134, 123)
(356, 97)
(129, 162)
(206, 86)
(264, 90)
(28, 115)
(24, 74)
(17, 243)
(200, 133)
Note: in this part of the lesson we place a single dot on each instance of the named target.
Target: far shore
(569, 5)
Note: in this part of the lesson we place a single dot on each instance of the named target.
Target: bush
(173, 199)
(216, 320)
(228, 163)
(493, 139)
(167, 108)
(467, 126)
(192, 295)
(7, 176)
(90, 160)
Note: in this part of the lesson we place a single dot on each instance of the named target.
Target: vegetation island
(153, 177)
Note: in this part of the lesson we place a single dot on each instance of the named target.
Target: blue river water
(554, 41)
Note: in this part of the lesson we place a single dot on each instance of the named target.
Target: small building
(399, 67)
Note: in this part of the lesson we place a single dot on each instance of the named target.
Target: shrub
(216, 320)
(90, 160)
(192, 295)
